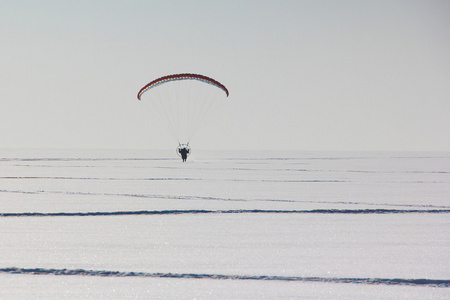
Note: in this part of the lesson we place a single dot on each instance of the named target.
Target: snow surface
(142, 224)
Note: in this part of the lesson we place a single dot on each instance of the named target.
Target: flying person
(184, 152)
(183, 104)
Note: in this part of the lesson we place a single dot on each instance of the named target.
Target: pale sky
(302, 75)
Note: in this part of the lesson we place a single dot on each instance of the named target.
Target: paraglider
(184, 151)
(183, 102)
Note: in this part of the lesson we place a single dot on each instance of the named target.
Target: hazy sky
(306, 75)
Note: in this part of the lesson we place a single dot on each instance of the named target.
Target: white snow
(224, 225)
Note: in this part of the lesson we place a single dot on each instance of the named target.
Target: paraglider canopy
(184, 76)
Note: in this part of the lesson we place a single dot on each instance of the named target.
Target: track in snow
(240, 211)
(101, 273)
